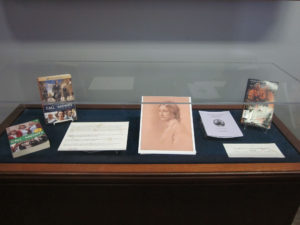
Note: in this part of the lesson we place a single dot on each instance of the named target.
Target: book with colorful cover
(259, 103)
(26, 138)
(57, 96)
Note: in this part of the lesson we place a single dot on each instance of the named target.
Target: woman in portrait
(60, 115)
(166, 126)
(173, 133)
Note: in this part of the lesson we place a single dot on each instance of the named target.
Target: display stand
(69, 120)
(249, 127)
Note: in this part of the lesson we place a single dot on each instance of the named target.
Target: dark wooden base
(236, 204)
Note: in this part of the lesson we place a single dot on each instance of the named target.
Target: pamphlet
(166, 126)
(57, 97)
(220, 124)
(259, 99)
(95, 136)
(269, 150)
(26, 138)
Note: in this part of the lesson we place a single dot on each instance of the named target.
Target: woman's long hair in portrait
(174, 109)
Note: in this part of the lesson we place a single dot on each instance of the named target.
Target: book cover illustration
(259, 103)
(57, 96)
(61, 112)
(57, 88)
(26, 138)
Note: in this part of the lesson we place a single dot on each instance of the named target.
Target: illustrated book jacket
(259, 103)
(26, 138)
(57, 98)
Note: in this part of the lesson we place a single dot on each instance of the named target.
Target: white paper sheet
(95, 136)
(220, 124)
(269, 150)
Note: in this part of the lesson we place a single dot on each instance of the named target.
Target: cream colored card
(269, 150)
(95, 136)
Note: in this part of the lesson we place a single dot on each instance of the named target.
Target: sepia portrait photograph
(166, 126)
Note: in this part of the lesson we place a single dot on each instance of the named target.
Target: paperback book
(26, 138)
(259, 103)
(57, 97)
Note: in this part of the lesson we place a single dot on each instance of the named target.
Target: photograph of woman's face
(164, 113)
(168, 112)
(61, 115)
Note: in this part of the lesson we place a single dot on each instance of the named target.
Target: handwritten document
(269, 150)
(95, 136)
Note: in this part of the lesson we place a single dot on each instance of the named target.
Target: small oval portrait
(219, 123)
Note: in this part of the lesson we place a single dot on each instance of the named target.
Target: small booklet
(57, 97)
(259, 107)
(95, 136)
(27, 138)
(220, 124)
(166, 126)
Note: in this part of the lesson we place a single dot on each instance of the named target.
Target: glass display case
(120, 54)
(196, 186)
(111, 91)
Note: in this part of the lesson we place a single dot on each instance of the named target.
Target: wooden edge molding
(246, 168)
(11, 118)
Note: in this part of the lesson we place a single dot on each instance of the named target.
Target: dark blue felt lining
(209, 150)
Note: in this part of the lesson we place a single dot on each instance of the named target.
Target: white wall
(166, 30)
(151, 30)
